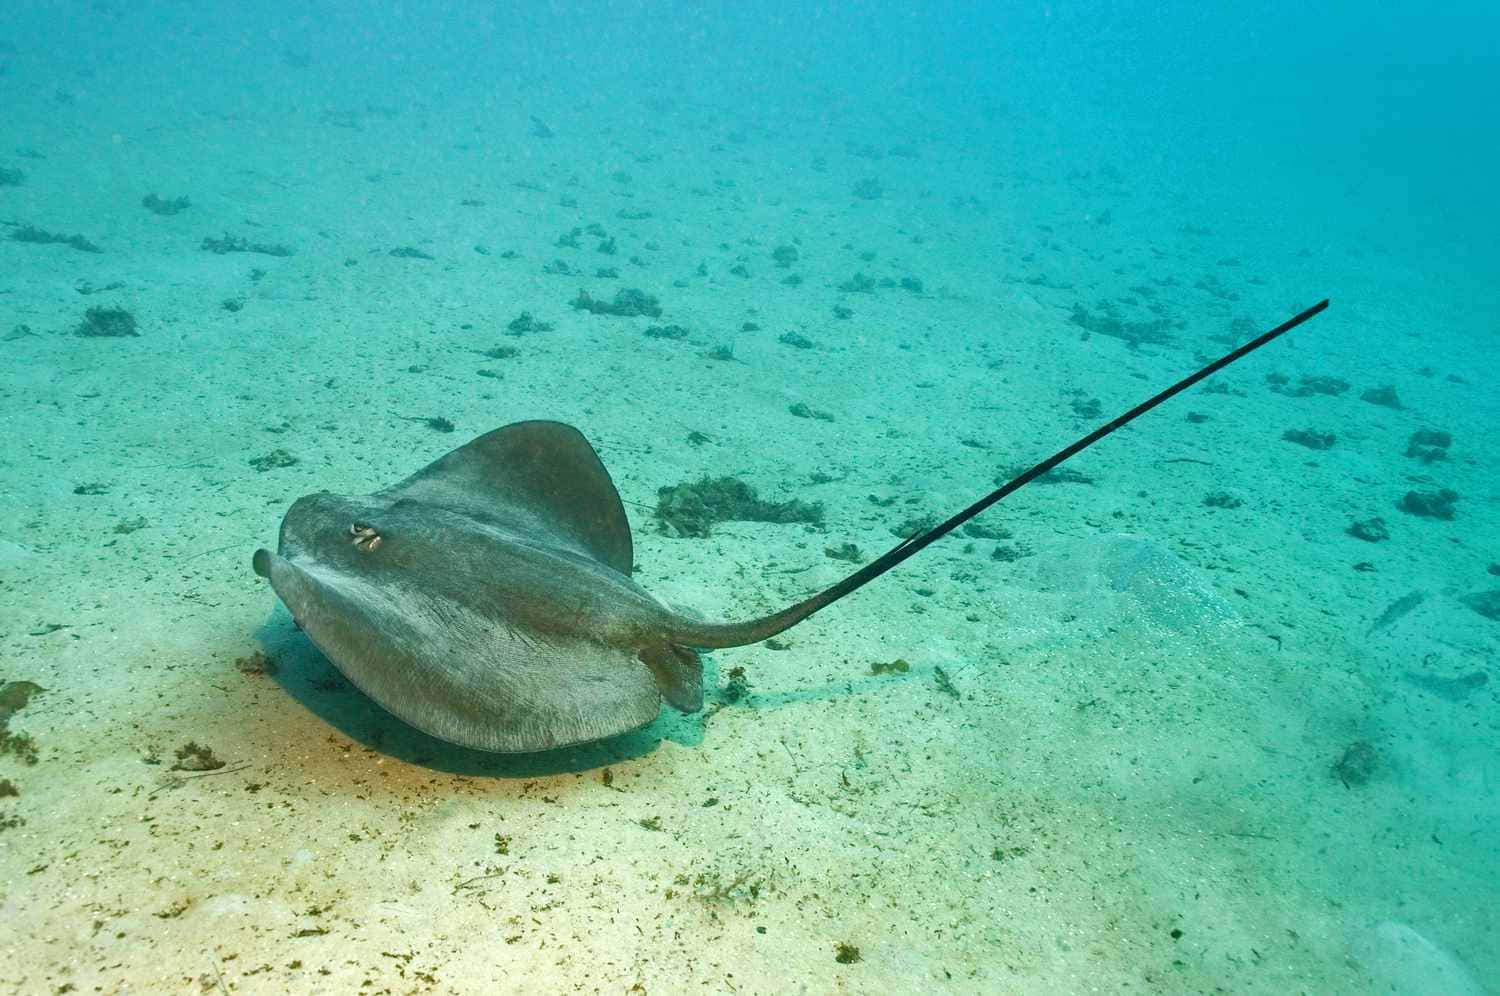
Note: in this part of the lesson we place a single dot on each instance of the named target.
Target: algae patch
(14, 695)
(692, 509)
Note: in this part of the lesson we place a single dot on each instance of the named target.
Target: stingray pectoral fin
(678, 674)
(461, 676)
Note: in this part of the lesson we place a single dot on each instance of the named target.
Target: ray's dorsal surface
(487, 599)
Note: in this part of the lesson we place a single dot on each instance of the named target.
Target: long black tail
(710, 635)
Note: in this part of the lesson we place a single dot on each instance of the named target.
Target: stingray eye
(364, 536)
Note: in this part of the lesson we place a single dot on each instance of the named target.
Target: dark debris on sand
(692, 509)
(106, 323)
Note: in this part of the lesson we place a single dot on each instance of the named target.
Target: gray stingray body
(497, 609)
(487, 598)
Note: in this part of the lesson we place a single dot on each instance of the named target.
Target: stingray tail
(713, 636)
(710, 636)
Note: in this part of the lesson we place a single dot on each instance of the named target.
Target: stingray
(487, 599)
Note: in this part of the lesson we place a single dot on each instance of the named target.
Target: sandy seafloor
(1132, 785)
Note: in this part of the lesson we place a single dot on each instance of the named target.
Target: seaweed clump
(1486, 603)
(233, 243)
(40, 236)
(847, 552)
(801, 410)
(272, 460)
(258, 663)
(1107, 321)
(1385, 396)
(628, 303)
(1429, 504)
(434, 422)
(1370, 530)
(193, 756)
(737, 688)
(1356, 765)
(897, 666)
(106, 323)
(524, 323)
(14, 695)
(1310, 438)
(692, 509)
(1306, 387)
(1429, 445)
(164, 207)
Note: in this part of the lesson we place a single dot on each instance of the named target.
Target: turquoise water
(1210, 709)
